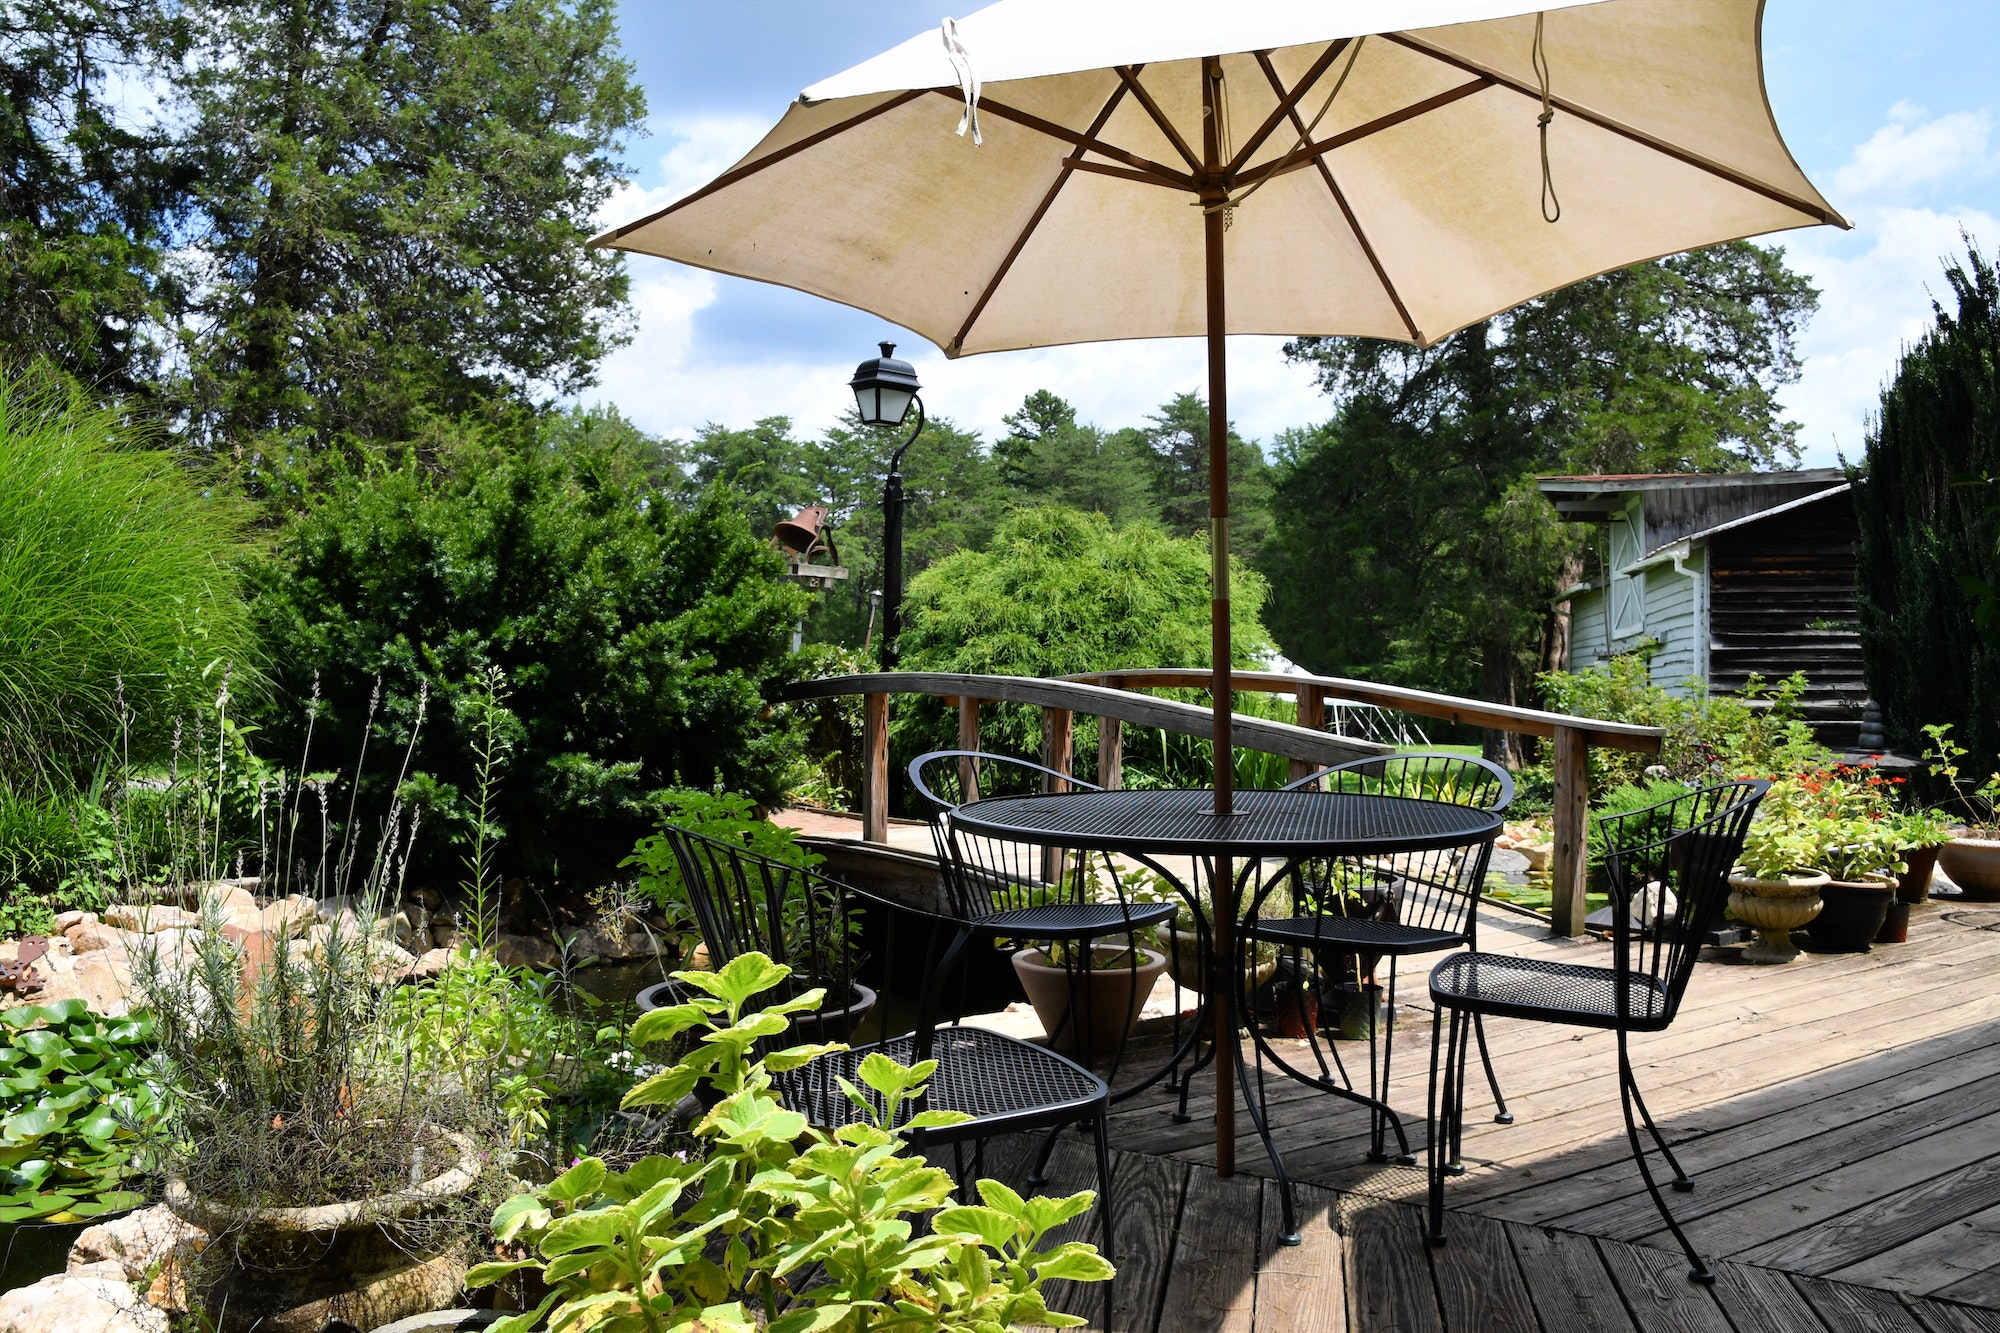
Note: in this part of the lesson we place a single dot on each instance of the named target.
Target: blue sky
(1888, 107)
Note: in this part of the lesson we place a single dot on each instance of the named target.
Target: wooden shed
(1721, 577)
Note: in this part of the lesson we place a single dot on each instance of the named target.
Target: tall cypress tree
(1924, 531)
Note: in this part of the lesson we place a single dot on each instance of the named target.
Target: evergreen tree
(1928, 549)
(1177, 438)
(1047, 457)
(393, 200)
(86, 198)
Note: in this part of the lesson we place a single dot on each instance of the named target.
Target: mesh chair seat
(1004, 1083)
(1361, 934)
(1077, 921)
(1532, 988)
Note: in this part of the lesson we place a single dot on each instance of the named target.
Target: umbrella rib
(1034, 122)
(1041, 211)
(1131, 79)
(1127, 174)
(1639, 136)
(729, 178)
(1340, 199)
(1287, 101)
(1312, 151)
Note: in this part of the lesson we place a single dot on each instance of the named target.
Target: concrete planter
(298, 1269)
(1974, 865)
(1774, 908)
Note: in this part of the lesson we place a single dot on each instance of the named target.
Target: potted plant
(1972, 859)
(1112, 979)
(1773, 889)
(1919, 836)
(1859, 856)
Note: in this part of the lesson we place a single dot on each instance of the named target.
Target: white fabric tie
(968, 82)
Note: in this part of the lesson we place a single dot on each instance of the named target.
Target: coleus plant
(75, 1104)
(781, 1225)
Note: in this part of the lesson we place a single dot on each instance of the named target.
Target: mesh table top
(1264, 823)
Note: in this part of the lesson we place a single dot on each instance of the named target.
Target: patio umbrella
(1047, 171)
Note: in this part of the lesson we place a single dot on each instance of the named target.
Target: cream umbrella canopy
(1047, 171)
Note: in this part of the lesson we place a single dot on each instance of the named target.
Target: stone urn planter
(1974, 865)
(1113, 994)
(1774, 908)
(362, 1262)
(1852, 915)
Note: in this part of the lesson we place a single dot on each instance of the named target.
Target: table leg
(1222, 892)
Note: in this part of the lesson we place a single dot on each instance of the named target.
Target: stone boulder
(101, 978)
(147, 917)
(66, 1304)
(90, 936)
(290, 916)
(433, 962)
(525, 951)
(135, 1245)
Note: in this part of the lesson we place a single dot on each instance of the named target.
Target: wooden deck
(1841, 1117)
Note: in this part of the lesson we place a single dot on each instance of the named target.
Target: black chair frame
(1669, 864)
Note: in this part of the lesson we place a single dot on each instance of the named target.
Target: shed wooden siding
(1770, 582)
(1673, 619)
(1587, 643)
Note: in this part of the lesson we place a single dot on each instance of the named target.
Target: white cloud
(1912, 150)
(1876, 285)
(701, 148)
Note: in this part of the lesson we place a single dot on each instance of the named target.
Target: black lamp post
(884, 388)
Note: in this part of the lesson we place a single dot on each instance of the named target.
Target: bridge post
(1569, 862)
(1110, 753)
(968, 739)
(1312, 715)
(875, 767)
(1058, 744)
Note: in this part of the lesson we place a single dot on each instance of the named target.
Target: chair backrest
(1460, 779)
(745, 903)
(1667, 868)
(984, 875)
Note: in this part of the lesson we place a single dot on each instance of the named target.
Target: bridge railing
(1112, 698)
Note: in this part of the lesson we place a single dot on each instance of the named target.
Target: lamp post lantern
(884, 388)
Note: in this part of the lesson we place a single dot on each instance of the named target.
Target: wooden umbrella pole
(1222, 887)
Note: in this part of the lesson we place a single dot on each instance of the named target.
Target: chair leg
(1698, 1271)
(1038, 1175)
(1683, 1182)
(1439, 1115)
(1379, 1118)
(1501, 1115)
(1104, 1219)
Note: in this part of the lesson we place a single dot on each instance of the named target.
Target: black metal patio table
(1265, 825)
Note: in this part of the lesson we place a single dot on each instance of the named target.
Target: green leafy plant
(1625, 800)
(1923, 828)
(727, 817)
(76, 1105)
(1982, 803)
(1831, 820)
(777, 1225)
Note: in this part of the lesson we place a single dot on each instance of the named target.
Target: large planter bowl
(1111, 998)
(295, 1270)
(1974, 865)
(1185, 963)
(1774, 908)
(1853, 914)
(1914, 884)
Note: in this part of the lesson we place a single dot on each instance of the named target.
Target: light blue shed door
(1627, 592)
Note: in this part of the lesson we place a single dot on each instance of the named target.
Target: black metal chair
(1030, 893)
(1347, 915)
(743, 902)
(1667, 865)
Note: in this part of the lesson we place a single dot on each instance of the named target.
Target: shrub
(1058, 592)
(774, 1220)
(640, 636)
(1923, 534)
(117, 587)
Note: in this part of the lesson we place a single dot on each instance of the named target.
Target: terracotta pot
(1114, 996)
(1774, 908)
(297, 1269)
(1914, 884)
(1974, 865)
(1853, 914)
(1896, 925)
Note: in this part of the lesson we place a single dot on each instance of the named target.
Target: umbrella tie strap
(968, 82)
(1540, 60)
